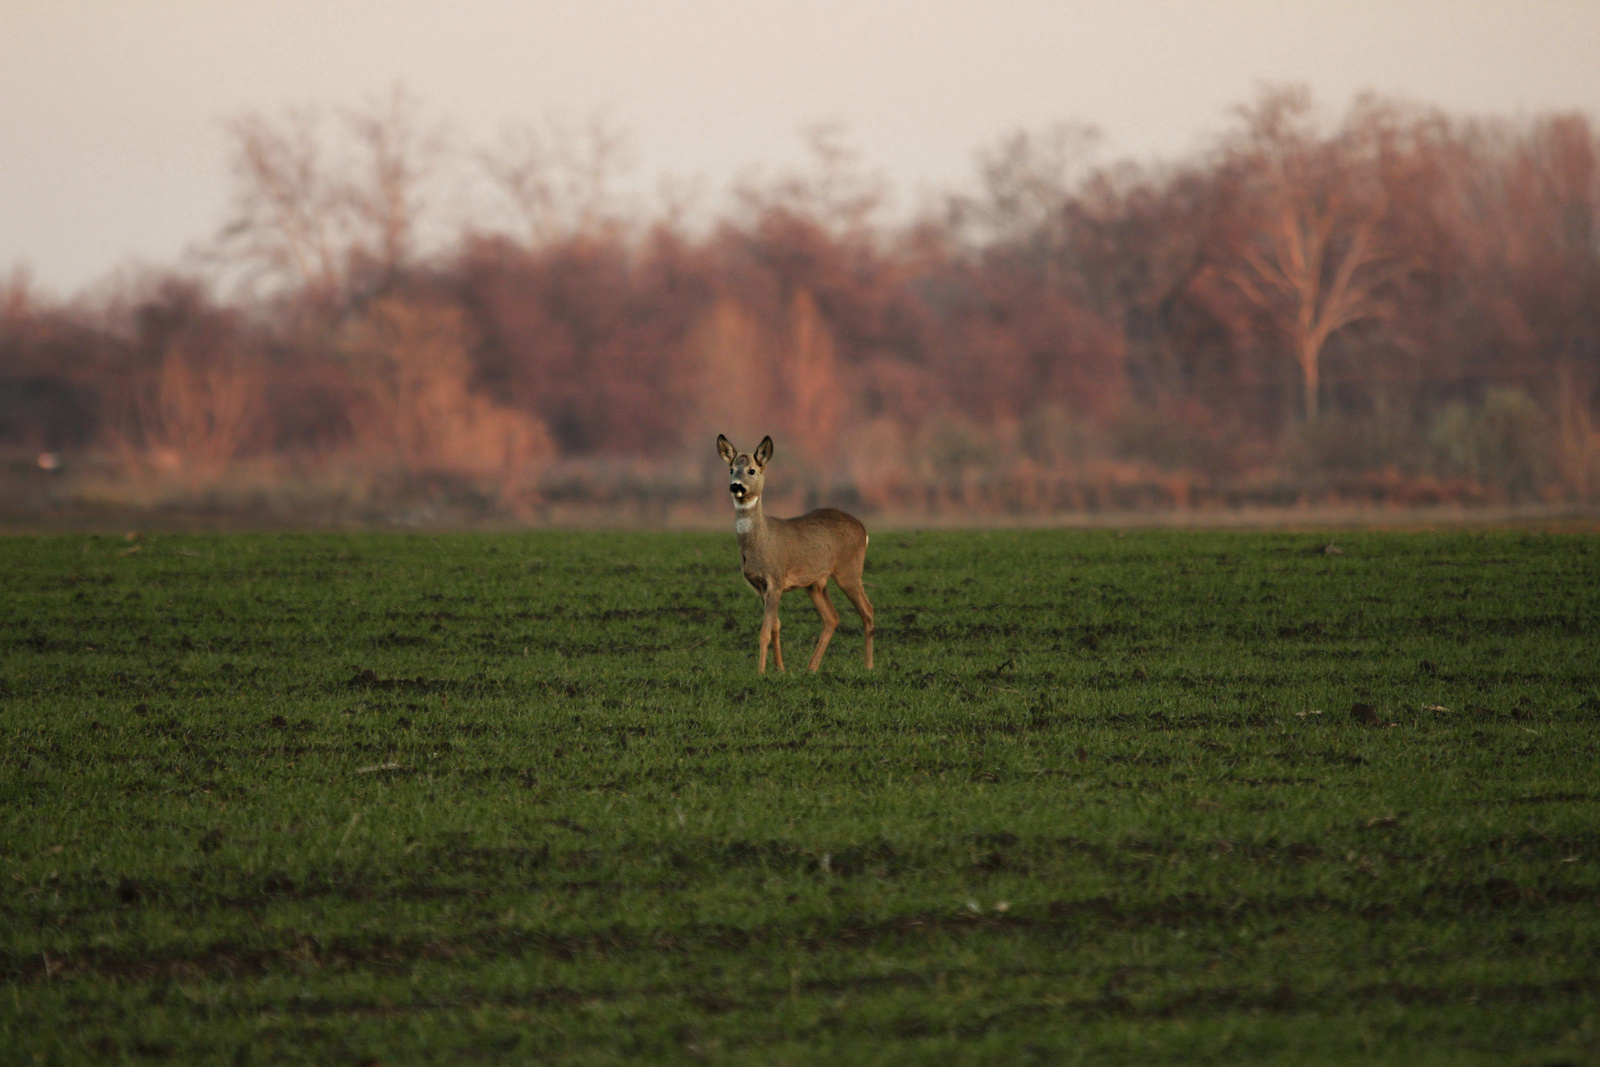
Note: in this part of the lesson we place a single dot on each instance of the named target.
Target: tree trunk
(1311, 378)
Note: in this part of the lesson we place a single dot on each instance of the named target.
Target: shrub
(1502, 442)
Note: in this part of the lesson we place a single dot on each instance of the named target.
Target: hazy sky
(111, 111)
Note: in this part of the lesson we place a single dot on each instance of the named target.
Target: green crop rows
(523, 798)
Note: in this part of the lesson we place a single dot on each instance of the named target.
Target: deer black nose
(736, 489)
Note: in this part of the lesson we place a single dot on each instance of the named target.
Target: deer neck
(749, 522)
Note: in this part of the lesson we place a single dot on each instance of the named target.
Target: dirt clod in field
(1365, 714)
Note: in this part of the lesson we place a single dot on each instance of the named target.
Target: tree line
(1400, 305)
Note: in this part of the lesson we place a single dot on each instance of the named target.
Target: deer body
(778, 555)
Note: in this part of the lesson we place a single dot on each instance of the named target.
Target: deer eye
(751, 471)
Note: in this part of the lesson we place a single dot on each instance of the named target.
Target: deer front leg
(777, 639)
(770, 626)
(766, 640)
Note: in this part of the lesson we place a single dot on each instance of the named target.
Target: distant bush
(1339, 443)
(1176, 437)
(1502, 443)
(1053, 436)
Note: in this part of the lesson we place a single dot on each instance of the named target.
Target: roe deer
(783, 554)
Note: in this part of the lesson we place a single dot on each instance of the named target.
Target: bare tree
(287, 222)
(561, 181)
(313, 202)
(1531, 202)
(398, 153)
(1027, 183)
(1313, 258)
(833, 192)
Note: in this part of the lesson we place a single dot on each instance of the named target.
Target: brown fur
(778, 555)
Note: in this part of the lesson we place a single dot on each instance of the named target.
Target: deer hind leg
(853, 589)
(830, 619)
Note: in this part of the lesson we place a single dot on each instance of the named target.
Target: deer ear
(763, 452)
(725, 449)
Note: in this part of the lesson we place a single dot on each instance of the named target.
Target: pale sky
(112, 147)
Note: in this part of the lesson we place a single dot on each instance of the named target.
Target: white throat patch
(743, 524)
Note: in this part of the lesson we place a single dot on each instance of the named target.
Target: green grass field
(523, 798)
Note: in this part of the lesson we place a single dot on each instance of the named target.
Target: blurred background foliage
(1401, 306)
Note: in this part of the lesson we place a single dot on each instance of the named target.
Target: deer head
(746, 473)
